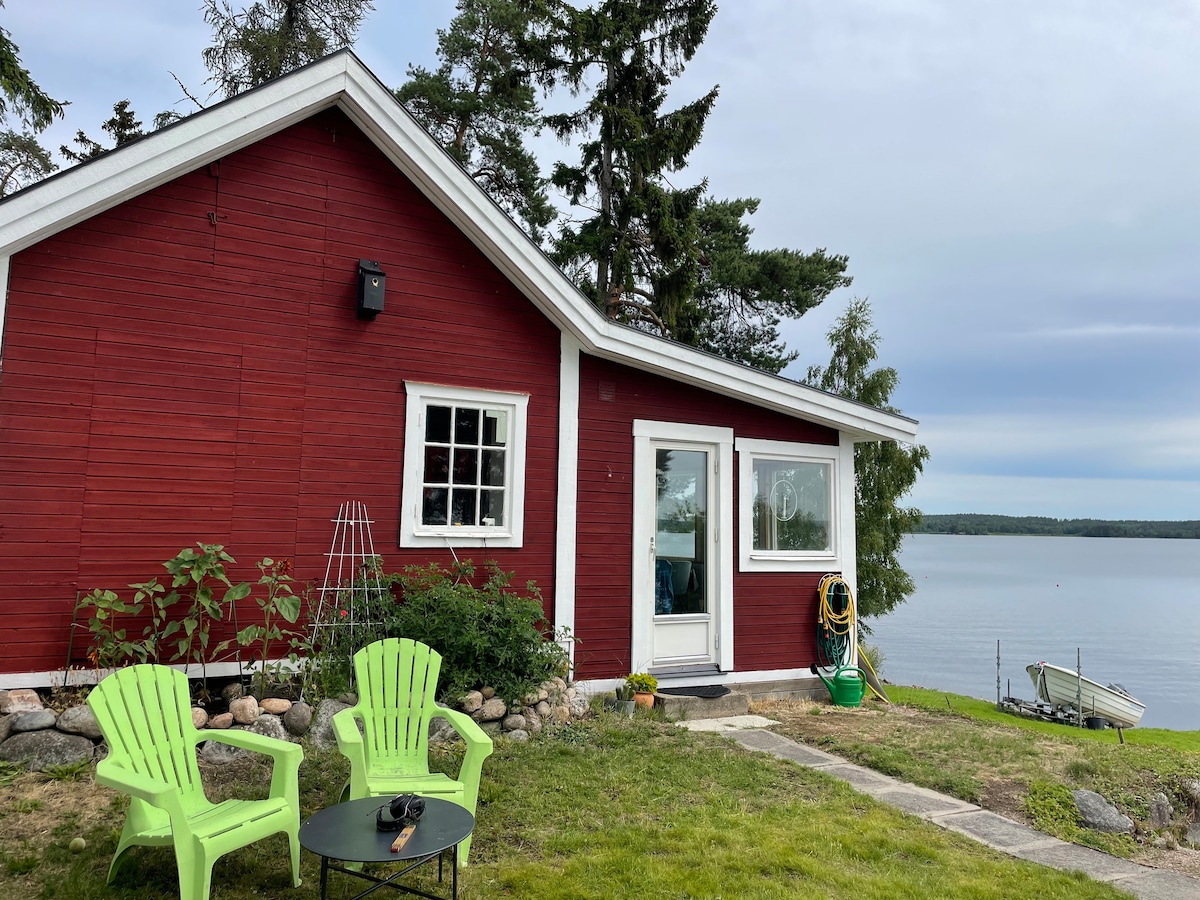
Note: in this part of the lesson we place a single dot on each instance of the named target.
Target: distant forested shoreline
(978, 523)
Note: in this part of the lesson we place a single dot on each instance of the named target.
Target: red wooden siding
(188, 366)
(775, 613)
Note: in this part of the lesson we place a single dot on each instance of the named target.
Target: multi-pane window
(465, 479)
(464, 467)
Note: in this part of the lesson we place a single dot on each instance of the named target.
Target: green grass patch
(611, 807)
(967, 748)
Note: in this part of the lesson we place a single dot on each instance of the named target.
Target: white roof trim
(342, 80)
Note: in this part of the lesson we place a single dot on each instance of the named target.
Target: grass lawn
(1019, 767)
(607, 808)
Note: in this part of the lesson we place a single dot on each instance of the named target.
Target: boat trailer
(1057, 713)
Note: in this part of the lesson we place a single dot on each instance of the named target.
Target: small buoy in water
(78, 845)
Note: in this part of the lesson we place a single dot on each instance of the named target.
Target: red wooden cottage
(184, 358)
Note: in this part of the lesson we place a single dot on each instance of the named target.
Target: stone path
(950, 813)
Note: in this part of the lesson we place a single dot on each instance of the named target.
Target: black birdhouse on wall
(371, 281)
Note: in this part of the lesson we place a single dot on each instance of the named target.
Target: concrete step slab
(735, 703)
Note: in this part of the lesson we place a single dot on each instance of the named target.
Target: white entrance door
(682, 546)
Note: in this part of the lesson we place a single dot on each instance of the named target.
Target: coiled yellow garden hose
(835, 621)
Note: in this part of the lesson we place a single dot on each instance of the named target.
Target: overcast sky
(1015, 182)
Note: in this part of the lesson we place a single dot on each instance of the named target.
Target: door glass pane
(681, 532)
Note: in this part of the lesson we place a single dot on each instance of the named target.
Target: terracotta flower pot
(644, 698)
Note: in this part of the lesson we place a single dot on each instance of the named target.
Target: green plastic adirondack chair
(397, 684)
(145, 714)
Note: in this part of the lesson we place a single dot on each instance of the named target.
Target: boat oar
(873, 681)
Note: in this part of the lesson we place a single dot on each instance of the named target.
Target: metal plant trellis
(351, 582)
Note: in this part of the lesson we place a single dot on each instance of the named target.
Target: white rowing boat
(1064, 687)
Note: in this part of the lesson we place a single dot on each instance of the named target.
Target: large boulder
(40, 750)
(80, 720)
(298, 719)
(493, 710)
(220, 753)
(320, 735)
(245, 710)
(1100, 815)
(20, 700)
(271, 726)
(1161, 812)
(6, 726)
(35, 720)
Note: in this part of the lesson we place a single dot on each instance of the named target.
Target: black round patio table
(347, 832)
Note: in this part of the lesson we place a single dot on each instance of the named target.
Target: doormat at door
(704, 690)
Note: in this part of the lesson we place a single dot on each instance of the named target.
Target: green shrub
(486, 633)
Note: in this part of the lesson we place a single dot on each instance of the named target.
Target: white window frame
(840, 459)
(413, 533)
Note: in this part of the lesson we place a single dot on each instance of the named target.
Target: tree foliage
(636, 248)
(884, 472)
(272, 37)
(743, 293)
(123, 127)
(983, 523)
(23, 161)
(19, 93)
(480, 103)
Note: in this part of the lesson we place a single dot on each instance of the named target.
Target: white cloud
(1114, 330)
(1085, 443)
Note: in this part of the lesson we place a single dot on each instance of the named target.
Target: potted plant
(623, 701)
(643, 685)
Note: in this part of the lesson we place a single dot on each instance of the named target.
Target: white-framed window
(790, 506)
(464, 467)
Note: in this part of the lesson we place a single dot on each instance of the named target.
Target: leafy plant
(642, 683)
(68, 771)
(280, 602)
(110, 644)
(487, 633)
(624, 692)
(155, 597)
(195, 572)
(360, 612)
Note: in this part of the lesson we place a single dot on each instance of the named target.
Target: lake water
(1131, 607)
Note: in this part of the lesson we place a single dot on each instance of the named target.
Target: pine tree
(743, 293)
(123, 127)
(23, 161)
(638, 250)
(884, 472)
(273, 37)
(19, 93)
(480, 102)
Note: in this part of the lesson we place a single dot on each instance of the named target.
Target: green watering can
(847, 686)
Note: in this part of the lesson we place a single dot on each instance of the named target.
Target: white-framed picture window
(790, 506)
(464, 467)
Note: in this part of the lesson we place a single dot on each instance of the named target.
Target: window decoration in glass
(793, 505)
(465, 478)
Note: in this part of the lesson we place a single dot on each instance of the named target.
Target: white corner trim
(5, 262)
(567, 510)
